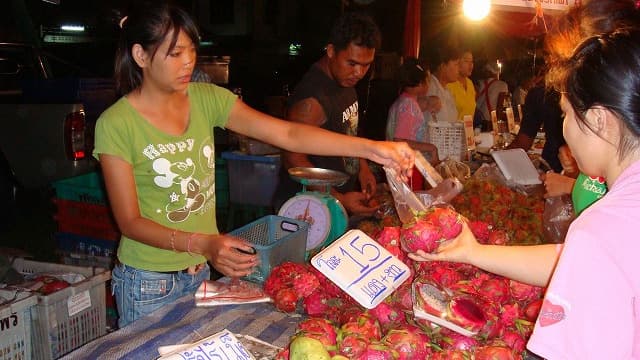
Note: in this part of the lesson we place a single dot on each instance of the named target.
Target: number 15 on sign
(361, 267)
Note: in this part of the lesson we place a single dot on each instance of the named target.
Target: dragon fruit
(495, 352)
(532, 309)
(428, 231)
(320, 327)
(316, 303)
(388, 316)
(286, 300)
(376, 351)
(304, 283)
(495, 289)
(514, 340)
(364, 325)
(409, 343)
(420, 235)
(451, 340)
(352, 345)
(464, 311)
(452, 355)
(523, 292)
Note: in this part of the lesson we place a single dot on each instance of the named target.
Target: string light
(476, 9)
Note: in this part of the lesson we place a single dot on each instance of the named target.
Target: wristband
(172, 240)
(191, 236)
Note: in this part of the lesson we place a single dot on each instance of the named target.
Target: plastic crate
(449, 138)
(81, 218)
(276, 239)
(68, 318)
(85, 188)
(252, 179)
(78, 244)
(15, 328)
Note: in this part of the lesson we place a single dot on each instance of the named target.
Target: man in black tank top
(326, 97)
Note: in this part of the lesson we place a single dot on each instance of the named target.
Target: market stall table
(183, 322)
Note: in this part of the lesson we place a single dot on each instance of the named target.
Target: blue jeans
(140, 292)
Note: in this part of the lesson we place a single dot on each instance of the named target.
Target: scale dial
(312, 210)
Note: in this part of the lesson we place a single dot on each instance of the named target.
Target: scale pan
(318, 176)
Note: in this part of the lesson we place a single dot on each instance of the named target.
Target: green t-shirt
(586, 191)
(174, 175)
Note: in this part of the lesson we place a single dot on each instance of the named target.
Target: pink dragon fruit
(444, 275)
(495, 352)
(316, 303)
(464, 311)
(390, 235)
(514, 340)
(402, 298)
(420, 235)
(451, 355)
(524, 292)
(451, 340)
(510, 313)
(428, 231)
(365, 325)
(321, 330)
(388, 316)
(532, 309)
(376, 351)
(495, 289)
(352, 345)
(409, 343)
(449, 221)
(305, 283)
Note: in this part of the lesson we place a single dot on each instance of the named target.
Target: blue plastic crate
(252, 179)
(276, 239)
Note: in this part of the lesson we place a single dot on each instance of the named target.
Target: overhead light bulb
(476, 9)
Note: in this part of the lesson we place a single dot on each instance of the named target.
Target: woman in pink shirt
(591, 309)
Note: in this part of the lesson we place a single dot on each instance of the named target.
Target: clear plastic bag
(229, 291)
(556, 218)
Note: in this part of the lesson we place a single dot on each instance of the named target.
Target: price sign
(223, 345)
(361, 267)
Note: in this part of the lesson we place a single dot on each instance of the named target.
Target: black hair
(148, 24)
(441, 55)
(604, 71)
(411, 73)
(356, 28)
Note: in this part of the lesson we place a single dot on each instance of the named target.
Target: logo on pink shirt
(550, 313)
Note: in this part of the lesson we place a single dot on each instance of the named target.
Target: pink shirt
(405, 120)
(591, 308)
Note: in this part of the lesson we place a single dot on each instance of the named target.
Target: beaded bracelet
(172, 240)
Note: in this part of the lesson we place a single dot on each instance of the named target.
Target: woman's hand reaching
(231, 256)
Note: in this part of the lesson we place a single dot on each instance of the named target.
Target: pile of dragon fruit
(498, 313)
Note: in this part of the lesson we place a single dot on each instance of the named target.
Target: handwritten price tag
(361, 267)
(222, 345)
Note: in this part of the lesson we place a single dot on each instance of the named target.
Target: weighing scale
(326, 216)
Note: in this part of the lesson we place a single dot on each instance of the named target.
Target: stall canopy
(527, 18)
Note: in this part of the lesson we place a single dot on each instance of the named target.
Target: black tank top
(340, 106)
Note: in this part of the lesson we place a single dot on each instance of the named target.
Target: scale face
(312, 210)
(326, 216)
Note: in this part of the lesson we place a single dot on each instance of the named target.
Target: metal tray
(318, 176)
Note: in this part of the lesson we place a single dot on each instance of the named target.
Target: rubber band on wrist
(172, 240)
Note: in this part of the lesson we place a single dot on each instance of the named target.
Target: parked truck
(47, 123)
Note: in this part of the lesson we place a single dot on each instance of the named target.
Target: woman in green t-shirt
(155, 146)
